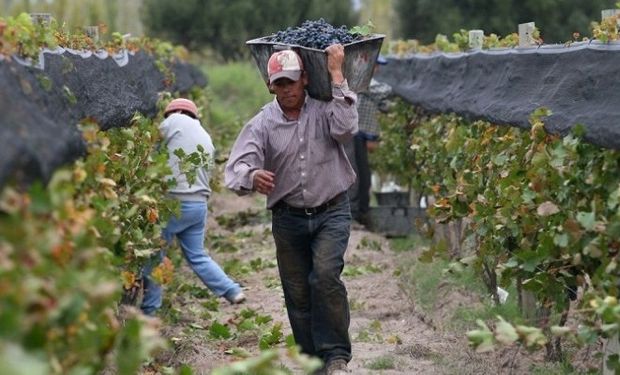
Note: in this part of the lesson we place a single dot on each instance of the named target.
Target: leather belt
(281, 205)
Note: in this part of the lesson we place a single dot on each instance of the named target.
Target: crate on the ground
(360, 57)
(393, 198)
(394, 221)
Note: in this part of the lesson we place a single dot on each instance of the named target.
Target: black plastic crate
(360, 57)
(393, 198)
(395, 221)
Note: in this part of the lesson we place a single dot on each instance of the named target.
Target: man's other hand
(264, 181)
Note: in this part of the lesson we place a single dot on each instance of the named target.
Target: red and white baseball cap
(182, 105)
(284, 64)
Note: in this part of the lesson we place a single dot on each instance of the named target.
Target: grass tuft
(387, 362)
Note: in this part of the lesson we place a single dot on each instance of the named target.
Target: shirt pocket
(318, 128)
(321, 145)
(323, 150)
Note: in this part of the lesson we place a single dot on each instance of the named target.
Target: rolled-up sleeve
(342, 112)
(245, 157)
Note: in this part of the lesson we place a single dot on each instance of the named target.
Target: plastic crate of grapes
(360, 57)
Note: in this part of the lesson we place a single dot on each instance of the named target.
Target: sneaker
(337, 367)
(237, 298)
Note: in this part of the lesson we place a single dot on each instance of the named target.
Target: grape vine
(540, 208)
(70, 250)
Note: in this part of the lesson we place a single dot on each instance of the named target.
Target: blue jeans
(189, 228)
(310, 252)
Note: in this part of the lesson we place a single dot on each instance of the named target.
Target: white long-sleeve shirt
(182, 131)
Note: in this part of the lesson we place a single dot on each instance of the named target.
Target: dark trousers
(359, 192)
(310, 251)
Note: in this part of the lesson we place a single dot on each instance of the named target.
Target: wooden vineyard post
(526, 34)
(607, 13)
(528, 305)
(476, 38)
(41, 18)
(92, 32)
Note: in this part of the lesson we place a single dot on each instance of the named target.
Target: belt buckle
(309, 211)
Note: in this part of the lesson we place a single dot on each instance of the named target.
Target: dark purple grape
(315, 34)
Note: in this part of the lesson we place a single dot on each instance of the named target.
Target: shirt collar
(281, 112)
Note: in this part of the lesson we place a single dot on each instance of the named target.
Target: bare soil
(390, 334)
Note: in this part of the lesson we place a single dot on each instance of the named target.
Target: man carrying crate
(292, 151)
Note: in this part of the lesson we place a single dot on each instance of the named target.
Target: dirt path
(384, 325)
(389, 336)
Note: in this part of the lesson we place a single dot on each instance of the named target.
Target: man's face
(290, 93)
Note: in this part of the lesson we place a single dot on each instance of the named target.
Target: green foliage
(59, 284)
(381, 13)
(123, 178)
(367, 243)
(382, 363)
(69, 95)
(249, 323)
(14, 360)
(190, 164)
(407, 244)
(459, 43)
(136, 342)
(242, 218)
(226, 26)
(267, 363)
(69, 251)
(352, 271)
(223, 244)
(504, 333)
(543, 208)
(396, 157)
(116, 14)
(372, 333)
(606, 30)
(272, 337)
(45, 82)
(558, 19)
(236, 268)
(59, 311)
(19, 35)
(23, 37)
(236, 93)
(219, 331)
(430, 282)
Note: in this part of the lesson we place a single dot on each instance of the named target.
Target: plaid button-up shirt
(369, 104)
